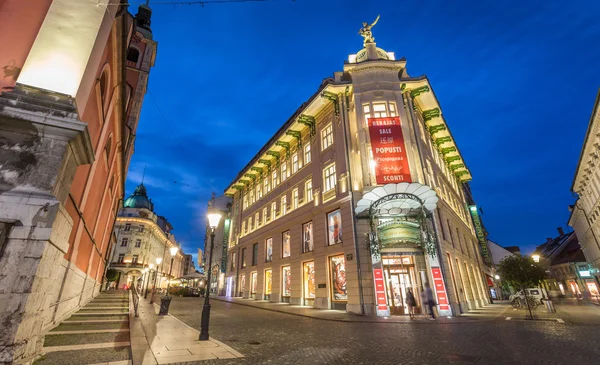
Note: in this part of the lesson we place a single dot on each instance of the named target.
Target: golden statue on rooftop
(366, 33)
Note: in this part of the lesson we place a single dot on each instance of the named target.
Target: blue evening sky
(516, 81)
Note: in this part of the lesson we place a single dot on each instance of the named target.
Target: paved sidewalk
(489, 312)
(167, 340)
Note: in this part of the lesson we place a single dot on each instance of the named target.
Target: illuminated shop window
(269, 249)
(330, 179)
(327, 136)
(285, 244)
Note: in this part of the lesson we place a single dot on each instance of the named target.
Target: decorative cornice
(443, 140)
(309, 121)
(334, 99)
(277, 156)
(297, 135)
(437, 128)
(418, 91)
(431, 113)
(286, 146)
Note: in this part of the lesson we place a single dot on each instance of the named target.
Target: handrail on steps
(136, 299)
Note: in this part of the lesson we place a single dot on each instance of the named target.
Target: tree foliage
(112, 275)
(521, 271)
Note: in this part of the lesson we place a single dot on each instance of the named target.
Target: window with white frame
(124, 242)
(327, 136)
(295, 198)
(284, 170)
(244, 227)
(264, 216)
(141, 229)
(379, 110)
(127, 226)
(273, 211)
(295, 164)
(245, 205)
(283, 204)
(257, 219)
(307, 153)
(274, 175)
(250, 224)
(258, 191)
(330, 178)
(308, 191)
(266, 184)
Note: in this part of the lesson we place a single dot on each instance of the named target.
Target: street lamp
(158, 262)
(497, 277)
(165, 301)
(213, 223)
(535, 257)
(151, 266)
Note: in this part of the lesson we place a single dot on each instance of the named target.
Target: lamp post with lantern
(158, 262)
(151, 267)
(165, 301)
(213, 223)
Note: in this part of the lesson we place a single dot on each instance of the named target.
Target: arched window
(133, 55)
(103, 85)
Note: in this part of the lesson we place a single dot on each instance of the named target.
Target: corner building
(359, 196)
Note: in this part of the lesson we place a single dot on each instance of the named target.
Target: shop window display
(307, 237)
(334, 227)
(337, 265)
(309, 280)
(287, 281)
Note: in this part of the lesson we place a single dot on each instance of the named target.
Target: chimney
(560, 231)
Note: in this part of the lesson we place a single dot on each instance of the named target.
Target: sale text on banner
(389, 153)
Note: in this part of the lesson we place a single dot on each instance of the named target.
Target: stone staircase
(97, 334)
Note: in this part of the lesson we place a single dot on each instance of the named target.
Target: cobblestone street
(266, 337)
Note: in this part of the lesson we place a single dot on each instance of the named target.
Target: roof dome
(139, 199)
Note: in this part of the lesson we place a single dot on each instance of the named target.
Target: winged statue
(366, 33)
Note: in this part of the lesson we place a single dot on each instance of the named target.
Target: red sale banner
(440, 290)
(389, 153)
(380, 290)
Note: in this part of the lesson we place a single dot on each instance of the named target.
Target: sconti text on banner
(389, 152)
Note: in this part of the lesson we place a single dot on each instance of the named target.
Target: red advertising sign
(389, 153)
(380, 290)
(440, 290)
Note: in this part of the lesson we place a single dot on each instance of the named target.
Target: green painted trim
(266, 162)
(420, 90)
(452, 159)
(238, 188)
(259, 170)
(276, 155)
(309, 121)
(252, 176)
(442, 140)
(297, 135)
(447, 150)
(286, 146)
(461, 173)
(437, 128)
(456, 166)
(334, 99)
(347, 94)
(403, 87)
(431, 113)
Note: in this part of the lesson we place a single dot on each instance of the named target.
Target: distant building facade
(188, 265)
(568, 271)
(585, 213)
(359, 196)
(71, 88)
(142, 237)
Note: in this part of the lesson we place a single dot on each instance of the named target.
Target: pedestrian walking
(430, 300)
(423, 304)
(411, 303)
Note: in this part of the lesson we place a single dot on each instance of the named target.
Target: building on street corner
(74, 75)
(359, 196)
(142, 238)
(222, 204)
(586, 185)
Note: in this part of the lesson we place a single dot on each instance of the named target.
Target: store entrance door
(400, 276)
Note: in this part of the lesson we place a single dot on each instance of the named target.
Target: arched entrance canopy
(397, 199)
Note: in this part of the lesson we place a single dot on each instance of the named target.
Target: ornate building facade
(585, 213)
(359, 196)
(142, 238)
(71, 88)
